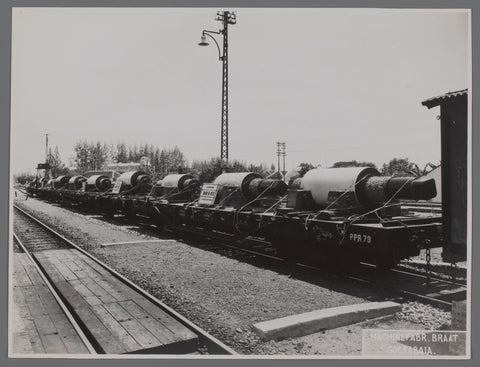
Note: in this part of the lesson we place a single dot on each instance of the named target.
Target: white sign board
(84, 186)
(208, 194)
(117, 187)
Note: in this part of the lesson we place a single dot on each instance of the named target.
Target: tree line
(90, 156)
(395, 167)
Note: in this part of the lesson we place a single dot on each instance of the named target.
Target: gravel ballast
(222, 295)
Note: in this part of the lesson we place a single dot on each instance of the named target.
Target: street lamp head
(203, 41)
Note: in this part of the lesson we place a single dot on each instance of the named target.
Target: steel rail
(78, 329)
(430, 300)
(223, 241)
(415, 274)
(230, 243)
(216, 345)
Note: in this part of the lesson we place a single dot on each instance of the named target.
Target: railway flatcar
(347, 214)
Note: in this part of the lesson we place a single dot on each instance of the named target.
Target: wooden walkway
(39, 325)
(119, 319)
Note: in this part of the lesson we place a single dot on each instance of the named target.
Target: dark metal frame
(226, 18)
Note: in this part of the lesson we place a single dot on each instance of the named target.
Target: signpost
(208, 194)
(117, 187)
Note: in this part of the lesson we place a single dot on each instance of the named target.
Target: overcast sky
(334, 84)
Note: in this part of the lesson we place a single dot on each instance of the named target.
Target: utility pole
(46, 148)
(281, 151)
(226, 17)
(278, 156)
(284, 153)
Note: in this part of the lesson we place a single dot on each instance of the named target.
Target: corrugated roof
(438, 100)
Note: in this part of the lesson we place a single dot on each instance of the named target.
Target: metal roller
(365, 185)
(98, 183)
(133, 178)
(252, 184)
(75, 182)
(179, 181)
(379, 189)
(60, 181)
(266, 186)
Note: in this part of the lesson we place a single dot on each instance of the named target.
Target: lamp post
(226, 18)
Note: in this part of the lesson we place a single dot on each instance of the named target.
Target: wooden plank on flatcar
(69, 336)
(47, 327)
(112, 311)
(116, 328)
(93, 264)
(49, 335)
(33, 302)
(21, 341)
(30, 269)
(96, 327)
(60, 265)
(86, 293)
(88, 270)
(163, 333)
(52, 272)
(83, 310)
(32, 333)
(178, 329)
(53, 344)
(21, 344)
(118, 312)
(49, 302)
(141, 335)
(79, 272)
(124, 289)
(160, 331)
(21, 277)
(20, 303)
(98, 291)
(112, 290)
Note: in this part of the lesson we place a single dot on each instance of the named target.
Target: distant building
(124, 167)
(109, 173)
(130, 166)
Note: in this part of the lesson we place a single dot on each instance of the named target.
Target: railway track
(409, 284)
(406, 283)
(35, 238)
(400, 283)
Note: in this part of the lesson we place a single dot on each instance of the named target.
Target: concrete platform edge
(311, 322)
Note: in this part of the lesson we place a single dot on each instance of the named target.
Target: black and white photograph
(238, 183)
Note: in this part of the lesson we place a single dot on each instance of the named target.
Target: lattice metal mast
(226, 18)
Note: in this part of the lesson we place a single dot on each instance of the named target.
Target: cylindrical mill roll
(366, 185)
(61, 181)
(252, 184)
(98, 183)
(380, 188)
(75, 182)
(239, 179)
(133, 178)
(267, 186)
(321, 181)
(180, 181)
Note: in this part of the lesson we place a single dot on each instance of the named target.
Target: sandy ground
(223, 295)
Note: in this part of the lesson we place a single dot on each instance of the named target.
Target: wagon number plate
(208, 194)
(360, 238)
(117, 187)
